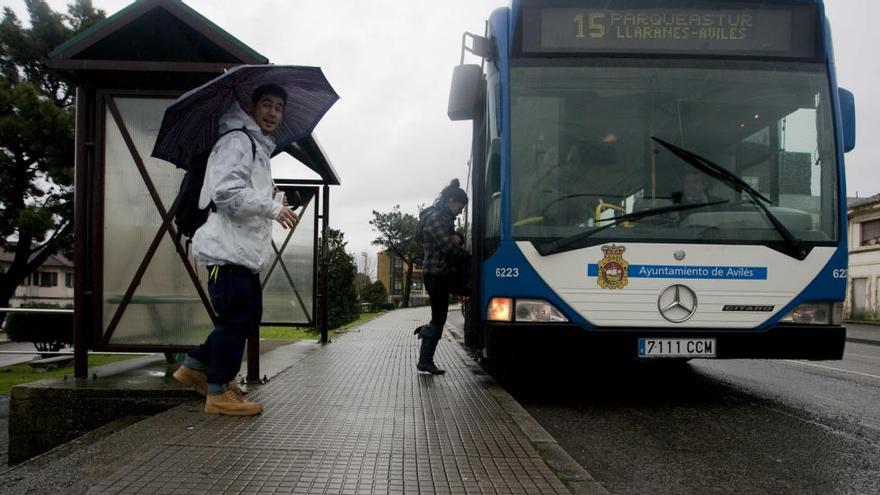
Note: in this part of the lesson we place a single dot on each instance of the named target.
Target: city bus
(656, 179)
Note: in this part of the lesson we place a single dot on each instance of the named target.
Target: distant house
(51, 284)
(391, 271)
(863, 291)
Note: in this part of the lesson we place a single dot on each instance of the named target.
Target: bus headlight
(500, 309)
(538, 310)
(825, 313)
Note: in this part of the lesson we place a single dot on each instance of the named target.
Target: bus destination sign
(777, 32)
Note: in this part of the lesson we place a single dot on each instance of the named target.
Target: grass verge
(297, 333)
(17, 374)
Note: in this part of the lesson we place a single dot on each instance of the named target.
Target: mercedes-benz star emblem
(677, 303)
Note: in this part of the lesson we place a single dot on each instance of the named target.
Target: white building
(51, 284)
(863, 290)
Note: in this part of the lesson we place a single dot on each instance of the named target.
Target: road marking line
(831, 368)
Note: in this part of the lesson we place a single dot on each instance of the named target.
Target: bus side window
(493, 190)
(492, 177)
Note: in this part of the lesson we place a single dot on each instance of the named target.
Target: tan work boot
(231, 403)
(193, 378)
(234, 386)
(199, 381)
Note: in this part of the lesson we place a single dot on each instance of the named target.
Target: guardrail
(59, 353)
(36, 310)
(70, 353)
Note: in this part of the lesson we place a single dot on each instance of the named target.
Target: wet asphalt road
(738, 427)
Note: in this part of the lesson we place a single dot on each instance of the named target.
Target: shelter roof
(311, 154)
(154, 35)
(165, 45)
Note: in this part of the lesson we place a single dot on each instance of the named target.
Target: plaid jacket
(435, 232)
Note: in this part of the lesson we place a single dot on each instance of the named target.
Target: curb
(870, 333)
(275, 362)
(875, 323)
(572, 474)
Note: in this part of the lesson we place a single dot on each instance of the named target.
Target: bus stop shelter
(136, 286)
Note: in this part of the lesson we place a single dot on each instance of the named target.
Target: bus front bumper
(779, 342)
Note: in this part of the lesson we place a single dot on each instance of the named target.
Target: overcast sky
(391, 62)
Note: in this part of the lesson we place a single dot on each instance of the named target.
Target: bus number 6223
(507, 272)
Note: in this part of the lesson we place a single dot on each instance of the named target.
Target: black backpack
(188, 217)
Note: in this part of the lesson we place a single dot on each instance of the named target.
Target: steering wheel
(545, 212)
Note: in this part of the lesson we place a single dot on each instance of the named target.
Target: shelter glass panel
(163, 311)
(288, 293)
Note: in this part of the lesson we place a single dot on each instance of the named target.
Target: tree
(375, 294)
(366, 265)
(340, 280)
(362, 279)
(396, 230)
(36, 139)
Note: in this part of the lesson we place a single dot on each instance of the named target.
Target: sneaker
(231, 403)
(192, 378)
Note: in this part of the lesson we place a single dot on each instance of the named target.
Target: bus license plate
(676, 348)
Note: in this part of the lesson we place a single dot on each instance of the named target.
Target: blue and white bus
(657, 179)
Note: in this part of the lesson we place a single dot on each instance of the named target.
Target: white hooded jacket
(240, 231)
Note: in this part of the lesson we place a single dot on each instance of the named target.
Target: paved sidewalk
(354, 417)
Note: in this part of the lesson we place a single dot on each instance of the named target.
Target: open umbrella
(190, 125)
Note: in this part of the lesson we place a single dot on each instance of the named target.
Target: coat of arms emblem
(613, 268)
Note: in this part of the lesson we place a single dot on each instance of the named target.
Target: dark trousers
(237, 299)
(438, 287)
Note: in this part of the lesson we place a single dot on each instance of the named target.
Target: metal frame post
(325, 266)
(253, 358)
(84, 170)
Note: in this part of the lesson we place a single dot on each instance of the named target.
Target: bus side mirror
(848, 119)
(466, 94)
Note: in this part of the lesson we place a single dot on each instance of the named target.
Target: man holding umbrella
(234, 244)
(243, 118)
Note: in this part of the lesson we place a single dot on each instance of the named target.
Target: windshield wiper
(793, 246)
(570, 242)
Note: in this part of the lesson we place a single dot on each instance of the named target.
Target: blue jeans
(237, 299)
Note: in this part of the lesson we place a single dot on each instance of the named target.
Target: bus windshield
(584, 151)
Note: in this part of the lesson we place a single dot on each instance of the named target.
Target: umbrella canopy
(190, 125)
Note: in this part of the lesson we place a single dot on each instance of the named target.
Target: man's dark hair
(269, 90)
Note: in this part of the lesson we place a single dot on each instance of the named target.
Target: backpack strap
(246, 133)
(211, 205)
